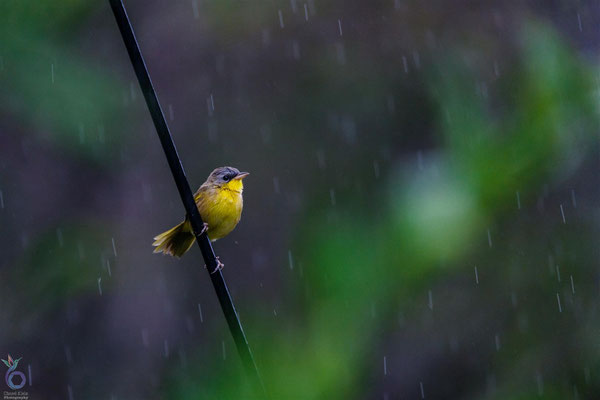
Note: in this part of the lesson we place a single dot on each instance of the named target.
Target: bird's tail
(176, 241)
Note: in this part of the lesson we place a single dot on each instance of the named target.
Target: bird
(220, 202)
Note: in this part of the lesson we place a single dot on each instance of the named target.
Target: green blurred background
(420, 220)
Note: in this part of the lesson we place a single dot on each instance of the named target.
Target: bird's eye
(227, 178)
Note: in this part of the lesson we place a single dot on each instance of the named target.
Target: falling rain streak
(518, 201)
(385, 372)
(489, 238)
(340, 26)
(281, 19)
(200, 313)
(476, 276)
(422, 390)
(562, 213)
(114, 246)
(195, 9)
(558, 300)
(430, 300)
(1, 199)
(100, 286)
(572, 285)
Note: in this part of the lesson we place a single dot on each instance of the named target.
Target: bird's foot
(219, 266)
(204, 228)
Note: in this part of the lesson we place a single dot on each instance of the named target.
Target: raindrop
(59, 235)
(1, 199)
(266, 37)
(291, 261)
(132, 91)
(70, 390)
(476, 276)
(306, 11)
(572, 285)
(497, 341)
(114, 247)
(422, 390)
(558, 299)
(200, 312)
(416, 59)
(108, 267)
(518, 200)
(195, 9)
(99, 286)
(274, 312)
(294, 7)
(430, 300)
(489, 238)
(405, 63)
(145, 340)
(579, 22)
(384, 365)
(296, 50)
(562, 212)
(558, 273)
(376, 168)
(340, 26)
(29, 374)
(281, 20)
(573, 198)
(212, 102)
(540, 383)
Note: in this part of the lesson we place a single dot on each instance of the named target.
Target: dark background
(420, 220)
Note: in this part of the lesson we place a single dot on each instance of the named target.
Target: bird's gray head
(224, 175)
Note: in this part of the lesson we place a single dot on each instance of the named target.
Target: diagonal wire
(185, 192)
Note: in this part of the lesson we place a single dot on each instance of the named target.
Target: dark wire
(185, 192)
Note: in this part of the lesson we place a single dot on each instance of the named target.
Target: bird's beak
(241, 175)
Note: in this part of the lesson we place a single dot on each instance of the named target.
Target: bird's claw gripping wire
(204, 228)
(219, 266)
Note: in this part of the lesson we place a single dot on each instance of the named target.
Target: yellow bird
(220, 203)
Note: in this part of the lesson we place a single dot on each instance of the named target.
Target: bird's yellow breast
(220, 208)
